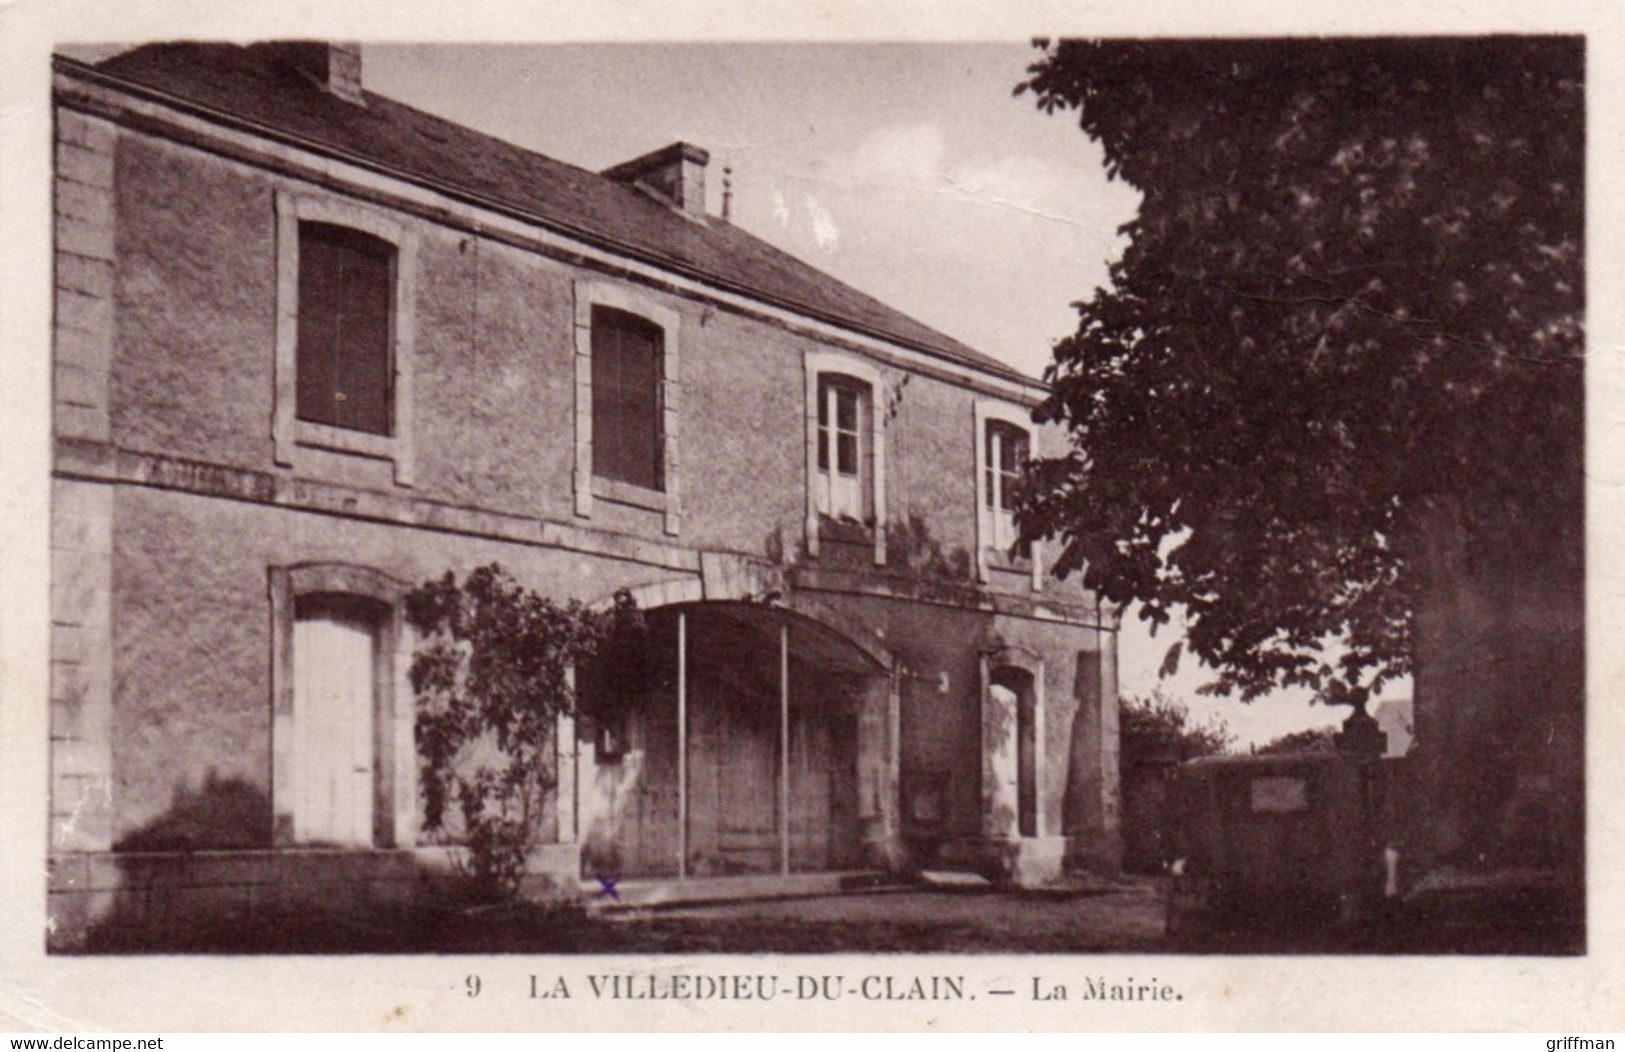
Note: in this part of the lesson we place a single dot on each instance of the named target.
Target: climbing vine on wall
(491, 675)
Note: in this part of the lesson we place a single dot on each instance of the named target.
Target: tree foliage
(1353, 292)
(492, 674)
(1159, 727)
(1315, 739)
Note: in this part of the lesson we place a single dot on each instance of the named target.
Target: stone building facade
(313, 347)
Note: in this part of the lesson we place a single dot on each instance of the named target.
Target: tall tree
(1350, 309)
(1334, 394)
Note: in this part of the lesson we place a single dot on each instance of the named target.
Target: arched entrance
(738, 738)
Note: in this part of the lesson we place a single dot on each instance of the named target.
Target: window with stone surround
(844, 443)
(1004, 459)
(626, 405)
(1003, 444)
(626, 431)
(344, 373)
(846, 450)
(345, 330)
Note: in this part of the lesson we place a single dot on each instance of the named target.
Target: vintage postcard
(816, 517)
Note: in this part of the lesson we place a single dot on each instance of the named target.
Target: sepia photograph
(1067, 497)
(458, 547)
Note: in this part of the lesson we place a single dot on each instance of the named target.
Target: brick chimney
(336, 68)
(675, 174)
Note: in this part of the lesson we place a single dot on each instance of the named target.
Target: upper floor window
(626, 399)
(1006, 450)
(1003, 444)
(846, 451)
(344, 373)
(345, 328)
(845, 448)
(627, 386)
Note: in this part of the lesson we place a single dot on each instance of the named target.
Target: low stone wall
(121, 897)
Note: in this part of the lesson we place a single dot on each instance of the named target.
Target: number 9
(473, 984)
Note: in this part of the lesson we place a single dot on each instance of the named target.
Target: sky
(907, 170)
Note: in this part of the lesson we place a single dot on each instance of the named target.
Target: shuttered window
(344, 369)
(626, 405)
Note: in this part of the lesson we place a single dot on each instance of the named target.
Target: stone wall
(192, 620)
(195, 293)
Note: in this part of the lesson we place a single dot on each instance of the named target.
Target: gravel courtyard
(912, 921)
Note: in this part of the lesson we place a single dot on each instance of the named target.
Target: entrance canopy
(811, 642)
(753, 732)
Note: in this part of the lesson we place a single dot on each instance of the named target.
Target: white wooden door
(333, 674)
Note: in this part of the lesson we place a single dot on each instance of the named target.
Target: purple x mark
(606, 888)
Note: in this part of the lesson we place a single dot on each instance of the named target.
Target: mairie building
(313, 347)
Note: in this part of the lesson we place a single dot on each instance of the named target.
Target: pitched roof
(252, 84)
